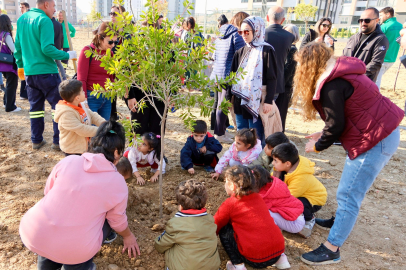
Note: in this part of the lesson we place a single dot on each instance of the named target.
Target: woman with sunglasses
(255, 90)
(321, 33)
(90, 72)
(365, 122)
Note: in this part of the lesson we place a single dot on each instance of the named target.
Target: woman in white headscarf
(257, 60)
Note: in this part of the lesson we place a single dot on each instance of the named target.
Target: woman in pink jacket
(85, 199)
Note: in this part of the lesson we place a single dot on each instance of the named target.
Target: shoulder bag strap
(2, 40)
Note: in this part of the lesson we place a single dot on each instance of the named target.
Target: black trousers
(223, 121)
(9, 98)
(205, 159)
(309, 209)
(23, 90)
(148, 119)
(227, 239)
(282, 102)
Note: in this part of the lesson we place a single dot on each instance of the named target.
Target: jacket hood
(338, 67)
(275, 190)
(227, 30)
(305, 167)
(95, 163)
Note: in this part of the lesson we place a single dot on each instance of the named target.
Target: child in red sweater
(247, 231)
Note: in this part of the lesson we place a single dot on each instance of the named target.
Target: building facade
(351, 10)
(13, 8)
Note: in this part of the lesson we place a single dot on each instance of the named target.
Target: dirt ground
(377, 241)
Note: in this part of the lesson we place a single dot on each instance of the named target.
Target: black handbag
(4, 57)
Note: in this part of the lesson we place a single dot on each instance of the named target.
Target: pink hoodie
(65, 226)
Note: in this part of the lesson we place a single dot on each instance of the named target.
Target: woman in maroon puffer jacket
(354, 112)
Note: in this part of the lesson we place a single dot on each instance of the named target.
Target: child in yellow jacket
(301, 182)
(74, 121)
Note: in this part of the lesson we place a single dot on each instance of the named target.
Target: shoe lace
(320, 250)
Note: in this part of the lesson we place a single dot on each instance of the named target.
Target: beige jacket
(72, 132)
(272, 120)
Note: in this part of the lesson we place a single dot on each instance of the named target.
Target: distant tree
(305, 12)
(162, 7)
(93, 16)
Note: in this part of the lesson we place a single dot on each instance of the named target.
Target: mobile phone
(398, 39)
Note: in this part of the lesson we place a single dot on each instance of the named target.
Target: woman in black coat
(321, 33)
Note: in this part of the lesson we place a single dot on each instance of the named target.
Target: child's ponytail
(248, 136)
(154, 142)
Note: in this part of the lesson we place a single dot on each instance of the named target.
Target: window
(347, 1)
(343, 20)
(244, 1)
(355, 19)
(359, 8)
(271, 1)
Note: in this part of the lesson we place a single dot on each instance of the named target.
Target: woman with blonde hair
(354, 112)
(321, 33)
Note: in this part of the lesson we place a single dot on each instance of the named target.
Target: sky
(84, 5)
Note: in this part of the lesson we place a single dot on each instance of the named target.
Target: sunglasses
(111, 42)
(366, 20)
(113, 14)
(326, 25)
(245, 32)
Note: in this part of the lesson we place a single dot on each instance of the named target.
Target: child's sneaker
(93, 267)
(321, 255)
(282, 263)
(231, 266)
(325, 224)
(307, 229)
(112, 236)
(209, 169)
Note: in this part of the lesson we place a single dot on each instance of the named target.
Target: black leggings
(227, 239)
(309, 209)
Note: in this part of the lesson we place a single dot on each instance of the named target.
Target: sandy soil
(377, 241)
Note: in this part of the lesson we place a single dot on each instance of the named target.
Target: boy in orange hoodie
(300, 181)
(74, 120)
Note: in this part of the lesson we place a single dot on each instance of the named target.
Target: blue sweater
(190, 149)
(226, 45)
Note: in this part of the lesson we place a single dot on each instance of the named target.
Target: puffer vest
(369, 116)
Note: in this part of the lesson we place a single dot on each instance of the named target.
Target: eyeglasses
(111, 42)
(245, 32)
(113, 14)
(366, 20)
(326, 25)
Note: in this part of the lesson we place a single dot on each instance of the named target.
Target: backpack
(75, 77)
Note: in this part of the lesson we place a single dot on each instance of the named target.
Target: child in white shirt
(243, 151)
(146, 154)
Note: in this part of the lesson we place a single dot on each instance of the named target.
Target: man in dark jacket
(281, 40)
(58, 40)
(370, 45)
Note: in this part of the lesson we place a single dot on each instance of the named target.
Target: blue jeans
(357, 177)
(249, 123)
(100, 105)
(1, 78)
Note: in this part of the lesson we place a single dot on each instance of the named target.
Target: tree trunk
(162, 160)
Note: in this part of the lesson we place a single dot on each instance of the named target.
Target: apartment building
(351, 10)
(13, 8)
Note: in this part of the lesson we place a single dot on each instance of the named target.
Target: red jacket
(278, 199)
(369, 116)
(93, 74)
(258, 237)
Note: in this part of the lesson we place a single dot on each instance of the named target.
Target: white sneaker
(223, 139)
(229, 135)
(16, 109)
(23, 98)
(282, 263)
(307, 229)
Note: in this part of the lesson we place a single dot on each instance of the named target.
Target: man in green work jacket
(72, 32)
(391, 28)
(35, 53)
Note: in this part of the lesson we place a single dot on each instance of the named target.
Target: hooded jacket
(302, 183)
(73, 132)
(369, 116)
(278, 199)
(372, 51)
(226, 45)
(190, 241)
(81, 192)
(190, 150)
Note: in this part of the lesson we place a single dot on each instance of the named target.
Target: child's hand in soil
(215, 176)
(140, 180)
(191, 171)
(154, 178)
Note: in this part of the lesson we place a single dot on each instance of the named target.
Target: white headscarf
(249, 88)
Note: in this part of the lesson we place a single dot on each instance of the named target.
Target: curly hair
(243, 179)
(191, 194)
(311, 63)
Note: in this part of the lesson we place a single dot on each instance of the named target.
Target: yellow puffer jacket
(302, 183)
